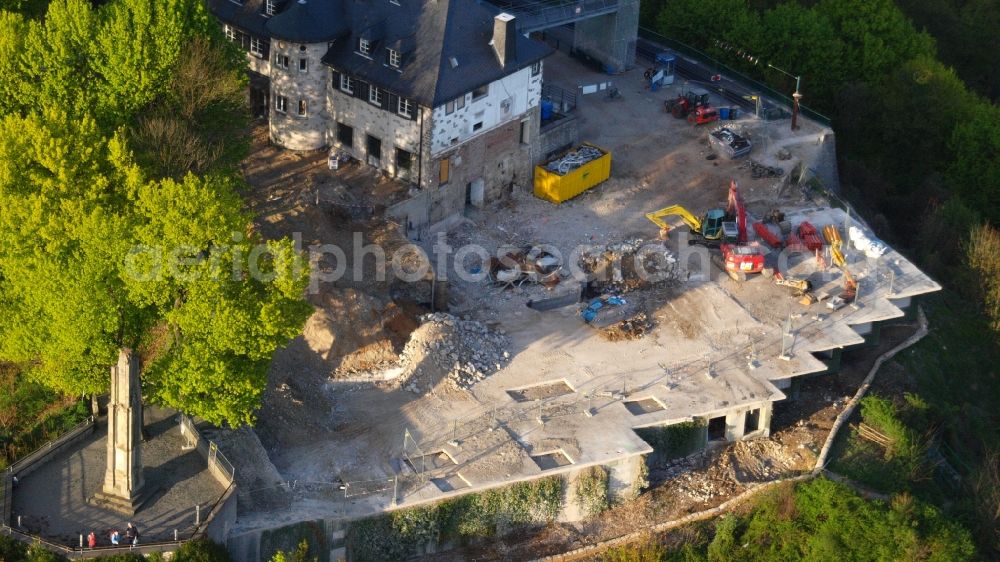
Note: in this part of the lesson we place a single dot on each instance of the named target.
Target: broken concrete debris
(468, 349)
(464, 351)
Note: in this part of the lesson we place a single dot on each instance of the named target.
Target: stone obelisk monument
(123, 479)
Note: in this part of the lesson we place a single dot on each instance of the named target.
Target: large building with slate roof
(443, 94)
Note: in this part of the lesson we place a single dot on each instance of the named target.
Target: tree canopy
(109, 238)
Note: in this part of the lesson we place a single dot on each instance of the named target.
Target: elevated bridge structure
(605, 30)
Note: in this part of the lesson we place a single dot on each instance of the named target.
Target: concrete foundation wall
(223, 518)
(610, 38)
(288, 129)
(367, 119)
(735, 422)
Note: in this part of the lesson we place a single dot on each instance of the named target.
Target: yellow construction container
(556, 188)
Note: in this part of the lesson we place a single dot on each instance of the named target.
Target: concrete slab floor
(52, 500)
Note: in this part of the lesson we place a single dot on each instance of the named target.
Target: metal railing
(564, 99)
(539, 15)
(208, 449)
(32, 457)
(714, 66)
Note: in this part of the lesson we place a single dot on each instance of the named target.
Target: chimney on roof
(504, 38)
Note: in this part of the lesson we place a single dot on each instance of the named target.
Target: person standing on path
(92, 540)
(132, 534)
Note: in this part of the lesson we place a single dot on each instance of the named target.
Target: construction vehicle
(739, 257)
(682, 105)
(708, 227)
(703, 114)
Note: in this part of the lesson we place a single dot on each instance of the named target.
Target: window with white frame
(449, 107)
(536, 68)
(303, 108)
(460, 102)
(230, 32)
(303, 65)
(281, 104)
(257, 46)
(281, 61)
(347, 83)
(405, 107)
(376, 95)
(394, 58)
(270, 6)
(364, 46)
(480, 92)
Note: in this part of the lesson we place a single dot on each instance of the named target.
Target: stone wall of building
(366, 119)
(288, 128)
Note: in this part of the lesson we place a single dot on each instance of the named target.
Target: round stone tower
(300, 36)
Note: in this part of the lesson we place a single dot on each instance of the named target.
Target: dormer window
(270, 6)
(405, 107)
(376, 95)
(394, 58)
(364, 46)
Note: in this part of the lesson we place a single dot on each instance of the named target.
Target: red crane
(742, 258)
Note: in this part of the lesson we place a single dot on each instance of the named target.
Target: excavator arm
(737, 209)
(674, 210)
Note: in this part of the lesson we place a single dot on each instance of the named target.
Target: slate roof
(431, 35)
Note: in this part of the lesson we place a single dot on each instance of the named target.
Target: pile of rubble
(466, 350)
(625, 266)
(573, 160)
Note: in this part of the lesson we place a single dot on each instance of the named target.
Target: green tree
(54, 66)
(202, 550)
(974, 171)
(803, 40)
(877, 36)
(97, 257)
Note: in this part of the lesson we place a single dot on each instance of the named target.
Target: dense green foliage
(966, 35)
(31, 414)
(947, 410)
(109, 238)
(201, 550)
(820, 521)
(398, 534)
(287, 541)
(300, 554)
(590, 490)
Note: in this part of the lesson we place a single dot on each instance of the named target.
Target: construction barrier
(566, 176)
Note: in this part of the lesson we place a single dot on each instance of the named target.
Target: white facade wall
(289, 129)
(508, 99)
